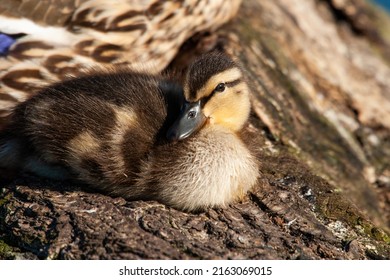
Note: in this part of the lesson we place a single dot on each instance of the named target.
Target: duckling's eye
(220, 87)
(191, 114)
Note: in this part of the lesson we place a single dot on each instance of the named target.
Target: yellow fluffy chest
(213, 168)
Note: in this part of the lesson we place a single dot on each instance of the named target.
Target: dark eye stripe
(228, 84)
(233, 83)
(206, 99)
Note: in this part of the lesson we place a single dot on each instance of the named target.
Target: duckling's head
(216, 94)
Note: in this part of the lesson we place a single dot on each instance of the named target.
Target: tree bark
(319, 72)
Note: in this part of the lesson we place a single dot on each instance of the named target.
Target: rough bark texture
(321, 115)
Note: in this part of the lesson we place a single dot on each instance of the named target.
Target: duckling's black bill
(190, 120)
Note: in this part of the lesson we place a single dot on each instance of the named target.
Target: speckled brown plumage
(63, 37)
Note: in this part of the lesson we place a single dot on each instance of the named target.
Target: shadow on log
(321, 117)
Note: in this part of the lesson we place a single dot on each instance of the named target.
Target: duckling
(219, 166)
(135, 135)
(59, 38)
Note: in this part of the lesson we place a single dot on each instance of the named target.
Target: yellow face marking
(230, 108)
(223, 77)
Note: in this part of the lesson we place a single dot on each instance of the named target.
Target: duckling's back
(95, 128)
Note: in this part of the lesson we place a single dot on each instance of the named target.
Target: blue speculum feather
(384, 3)
(5, 43)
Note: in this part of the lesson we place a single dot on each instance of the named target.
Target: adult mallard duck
(111, 131)
(59, 38)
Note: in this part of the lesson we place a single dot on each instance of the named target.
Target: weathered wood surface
(321, 115)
